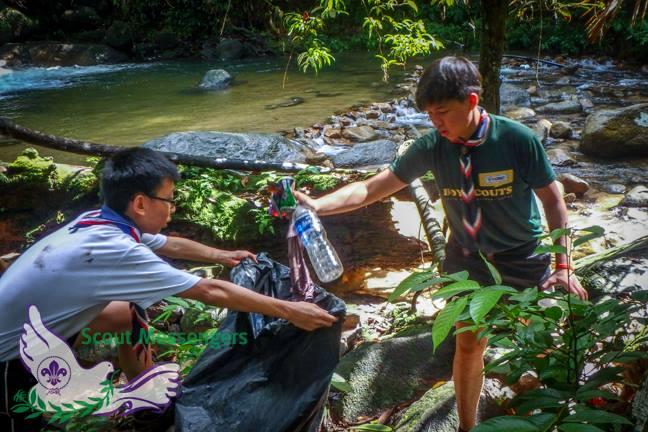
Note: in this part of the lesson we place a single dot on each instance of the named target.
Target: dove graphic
(61, 380)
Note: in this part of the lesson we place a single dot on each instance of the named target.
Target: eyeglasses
(170, 201)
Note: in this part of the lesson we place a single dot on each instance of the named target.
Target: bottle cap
(282, 201)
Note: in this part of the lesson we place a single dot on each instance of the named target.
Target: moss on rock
(390, 372)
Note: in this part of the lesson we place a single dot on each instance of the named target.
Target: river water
(129, 104)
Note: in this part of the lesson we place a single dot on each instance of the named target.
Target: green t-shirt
(506, 169)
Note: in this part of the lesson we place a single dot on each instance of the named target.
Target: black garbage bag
(278, 381)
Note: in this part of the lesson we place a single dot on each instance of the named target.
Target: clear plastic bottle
(323, 257)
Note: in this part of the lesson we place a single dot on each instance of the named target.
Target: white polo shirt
(72, 276)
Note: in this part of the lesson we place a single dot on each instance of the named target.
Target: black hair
(131, 171)
(448, 78)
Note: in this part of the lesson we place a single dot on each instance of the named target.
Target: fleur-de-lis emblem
(54, 373)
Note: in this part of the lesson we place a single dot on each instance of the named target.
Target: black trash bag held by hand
(276, 382)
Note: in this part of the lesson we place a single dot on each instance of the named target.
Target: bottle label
(303, 224)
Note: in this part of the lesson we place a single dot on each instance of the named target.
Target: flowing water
(129, 104)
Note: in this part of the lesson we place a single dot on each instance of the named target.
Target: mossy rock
(36, 183)
(30, 168)
(319, 182)
(225, 215)
(436, 411)
(388, 373)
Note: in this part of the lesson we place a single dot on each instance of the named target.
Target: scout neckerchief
(107, 216)
(472, 216)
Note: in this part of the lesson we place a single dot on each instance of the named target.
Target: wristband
(563, 266)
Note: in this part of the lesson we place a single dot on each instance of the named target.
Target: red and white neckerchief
(472, 216)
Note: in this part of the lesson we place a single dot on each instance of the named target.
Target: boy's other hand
(308, 316)
(232, 258)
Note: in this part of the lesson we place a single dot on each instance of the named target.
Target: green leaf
(21, 408)
(594, 229)
(596, 416)
(640, 296)
(375, 427)
(32, 397)
(526, 296)
(623, 357)
(41, 403)
(493, 271)
(584, 239)
(177, 301)
(340, 383)
(537, 403)
(550, 249)
(555, 313)
(459, 276)
(482, 302)
(416, 282)
(33, 415)
(456, 288)
(446, 319)
(578, 427)
(543, 420)
(601, 377)
(502, 424)
(559, 232)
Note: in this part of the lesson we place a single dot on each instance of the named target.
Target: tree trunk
(493, 36)
(433, 230)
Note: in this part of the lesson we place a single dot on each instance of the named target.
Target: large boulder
(265, 147)
(48, 54)
(513, 96)
(561, 129)
(390, 372)
(216, 79)
(617, 132)
(366, 154)
(360, 133)
(569, 106)
(515, 113)
(637, 197)
(436, 411)
(573, 184)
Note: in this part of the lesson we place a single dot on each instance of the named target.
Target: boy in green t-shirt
(487, 169)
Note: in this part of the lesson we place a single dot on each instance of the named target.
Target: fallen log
(13, 130)
(535, 59)
(590, 262)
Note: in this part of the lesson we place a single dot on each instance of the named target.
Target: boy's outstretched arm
(354, 195)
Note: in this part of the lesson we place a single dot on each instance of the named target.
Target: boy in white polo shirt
(85, 274)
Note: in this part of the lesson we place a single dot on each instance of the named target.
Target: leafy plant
(573, 348)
